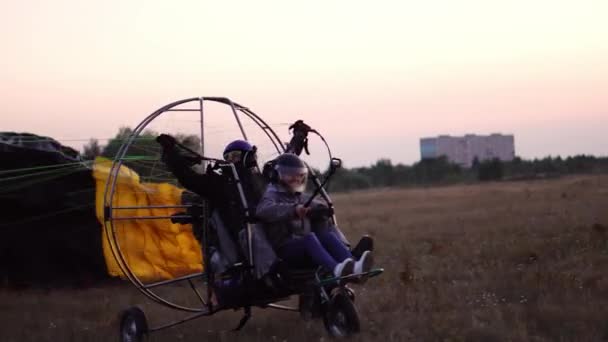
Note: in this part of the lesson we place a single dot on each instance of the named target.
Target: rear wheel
(133, 325)
(341, 318)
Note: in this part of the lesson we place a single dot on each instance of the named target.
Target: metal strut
(245, 318)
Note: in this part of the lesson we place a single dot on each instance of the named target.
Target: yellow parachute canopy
(154, 249)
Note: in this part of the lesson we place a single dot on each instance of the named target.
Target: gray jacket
(277, 211)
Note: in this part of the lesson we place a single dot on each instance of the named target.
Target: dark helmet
(292, 172)
(241, 151)
(238, 145)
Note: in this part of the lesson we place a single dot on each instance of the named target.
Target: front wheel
(133, 325)
(341, 318)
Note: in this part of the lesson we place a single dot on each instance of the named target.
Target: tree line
(383, 173)
(143, 155)
(440, 171)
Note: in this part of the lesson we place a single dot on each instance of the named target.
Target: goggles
(249, 158)
(233, 156)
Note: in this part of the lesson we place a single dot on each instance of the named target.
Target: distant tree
(580, 164)
(440, 170)
(91, 150)
(403, 174)
(546, 165)
(191, 141)
(383, 172)
(345, 180)
(475, 163)
(111, 149)
(434, 170)
(490, 170)
(144, 153)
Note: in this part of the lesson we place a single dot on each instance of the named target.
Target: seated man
(289, 228)
(217, 185)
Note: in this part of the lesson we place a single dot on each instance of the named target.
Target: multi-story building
(463, 150)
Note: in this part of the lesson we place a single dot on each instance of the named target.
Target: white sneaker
(344, 268)
(365, 263)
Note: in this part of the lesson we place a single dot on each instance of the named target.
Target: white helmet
(292, 172)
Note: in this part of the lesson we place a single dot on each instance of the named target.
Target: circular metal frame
(110, 189)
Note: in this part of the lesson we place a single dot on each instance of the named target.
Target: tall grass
(520, 261)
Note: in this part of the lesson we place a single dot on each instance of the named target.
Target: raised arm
(180, 164)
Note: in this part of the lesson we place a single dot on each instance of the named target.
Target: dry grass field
(513, 261)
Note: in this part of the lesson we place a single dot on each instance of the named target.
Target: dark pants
(323, 248)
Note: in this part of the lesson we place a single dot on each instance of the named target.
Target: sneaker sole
(348, 269)
(368, 263)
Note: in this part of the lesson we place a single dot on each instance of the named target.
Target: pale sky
(374, 77)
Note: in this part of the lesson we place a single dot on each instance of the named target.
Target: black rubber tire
(133, 325)
(310, 304)
(340, 317)
(350, 293)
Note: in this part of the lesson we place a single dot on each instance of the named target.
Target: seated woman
(288, 223)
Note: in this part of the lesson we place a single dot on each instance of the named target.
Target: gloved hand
(319, 212)
(300, 127)
(166, 141)
(299, 141)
